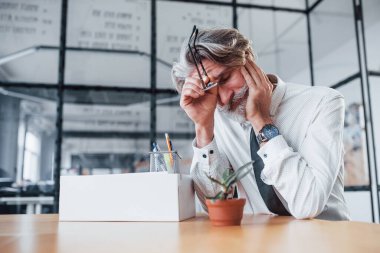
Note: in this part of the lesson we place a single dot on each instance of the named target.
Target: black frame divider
(357, 18)
(238, 4)
(309, 42)
(357, 188)
(134, 135)
(234, 14)
(61, 83)
(153, 74)
(314, 6)
(346, 80)
(374, 73)
(360, 20)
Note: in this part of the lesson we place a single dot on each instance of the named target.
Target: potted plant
(223, 211)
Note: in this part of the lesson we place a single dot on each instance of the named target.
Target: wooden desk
(43, 233)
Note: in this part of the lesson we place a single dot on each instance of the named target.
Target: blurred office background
(85, 84)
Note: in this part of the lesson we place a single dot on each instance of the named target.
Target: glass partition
(173, 30)
(355, 157)
(371, 10)
(27, 146)
(108, 43)
(29, 35)
(280, 45)
(105, 132)
(375, 90)
(333, 42)
(293, 4)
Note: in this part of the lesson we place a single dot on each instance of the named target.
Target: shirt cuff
(207, 154)
(273, 150)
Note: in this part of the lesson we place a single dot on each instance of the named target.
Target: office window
(280, 45)
(27, 133)
(108, 43)
(333, 42)
(293, 4)
(371, 10)
(172, 118)
(105, 132)
(172, 30)
(311, 2)
(354, 138)
(375, 90)
(31, 157)
(29, 35)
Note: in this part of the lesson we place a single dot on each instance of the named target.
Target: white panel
(359, 206)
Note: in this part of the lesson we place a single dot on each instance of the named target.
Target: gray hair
(227, 47)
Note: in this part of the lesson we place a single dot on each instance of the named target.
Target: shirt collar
(277, 94)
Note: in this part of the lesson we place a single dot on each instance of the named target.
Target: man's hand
(259, 97)
(200, 106)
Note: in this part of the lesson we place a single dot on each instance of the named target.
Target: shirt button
(265, 155)
(211, 152)
(204, 155)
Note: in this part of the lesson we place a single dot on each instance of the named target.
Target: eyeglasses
(197, 60)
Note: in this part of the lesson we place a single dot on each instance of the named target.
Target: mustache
(236, 98)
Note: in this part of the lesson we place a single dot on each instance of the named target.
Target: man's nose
(224, 96)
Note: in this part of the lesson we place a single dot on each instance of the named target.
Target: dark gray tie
(267, 192)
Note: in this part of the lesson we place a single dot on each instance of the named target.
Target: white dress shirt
(304, 163)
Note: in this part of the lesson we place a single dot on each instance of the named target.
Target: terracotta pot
(227, 212)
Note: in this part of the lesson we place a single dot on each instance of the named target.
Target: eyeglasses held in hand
(197, 60)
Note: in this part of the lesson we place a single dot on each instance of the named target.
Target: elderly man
(292, 132)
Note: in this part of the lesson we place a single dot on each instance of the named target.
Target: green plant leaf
(219, 195)
(226, 174)
(239, 174)
(216, 181)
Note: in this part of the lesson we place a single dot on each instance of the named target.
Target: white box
(127, 197)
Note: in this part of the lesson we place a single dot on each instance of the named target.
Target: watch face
(270, 131)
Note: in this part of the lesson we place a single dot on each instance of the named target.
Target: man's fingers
(254, 75)
(264, 81)
(187, 97)
(190, 94)
(194, 81)
(247, 77)
(194, 87)
(258, 72)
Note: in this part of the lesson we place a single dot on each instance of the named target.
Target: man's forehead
(216, 71)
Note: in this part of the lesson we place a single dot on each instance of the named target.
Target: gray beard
(238, 114)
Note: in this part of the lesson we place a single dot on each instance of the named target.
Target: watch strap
(262, 137)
